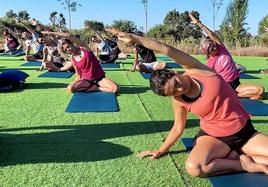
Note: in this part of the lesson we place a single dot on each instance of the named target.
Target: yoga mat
(110, 65)
(255, 107)
(52, 74)
(247, 76)
(165, 58)
(172, 65)
(146, 75)
(233, 179)
(32, 63)
(19, 53)
(93, 102)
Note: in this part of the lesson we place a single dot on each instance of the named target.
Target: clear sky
(108, 10)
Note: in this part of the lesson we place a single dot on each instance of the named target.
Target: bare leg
(256, 150)
(143, 68)
(250, 91)
(107, 85)
(81, 85)
(209, 157)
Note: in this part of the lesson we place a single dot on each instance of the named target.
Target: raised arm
(68, 36)
(175, 133)
(11, 32)
(189, 63)
(26, 27)
(210, 33)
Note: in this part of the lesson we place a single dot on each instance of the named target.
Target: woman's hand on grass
(152, 154)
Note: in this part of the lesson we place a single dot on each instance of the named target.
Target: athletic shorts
(235, 83)
(235, 141)
(149, 66)
(95, 81)
(38, 56)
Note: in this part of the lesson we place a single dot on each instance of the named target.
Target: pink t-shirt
(219, 109)
(88, 67)
(223, 64)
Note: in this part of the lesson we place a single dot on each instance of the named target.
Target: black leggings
(235, 141)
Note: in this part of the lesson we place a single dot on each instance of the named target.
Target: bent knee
(194, 169)
(114, 88)
(70, 89)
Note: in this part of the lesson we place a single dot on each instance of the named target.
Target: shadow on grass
(71, 143)
(21, 69)
(44, 85)
(133, 89)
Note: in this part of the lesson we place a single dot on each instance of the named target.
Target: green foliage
(232, 28)
(57, 20)
(158, 32)
(24, 15)
(179, 25)
(264, 39)
(262, 24)
(124, 25)
(11, 14)
(94, 25)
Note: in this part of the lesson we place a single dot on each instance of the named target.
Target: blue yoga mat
(19, 53)
(165, 58)
(146, 75)
(56, 74)
(110, 65)
(233, 179)
(172, 65)
(255, 107)
(32, 63)
(93, 102)
(247, 76)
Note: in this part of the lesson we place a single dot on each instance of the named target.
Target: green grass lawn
(42, 145)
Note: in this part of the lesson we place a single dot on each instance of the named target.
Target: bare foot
(160, 65)
(233, 155)
(250, 166)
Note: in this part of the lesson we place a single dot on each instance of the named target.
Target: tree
(216, 5)
(124, 25)
(11, 14)
(145, 5)
(57, 20)
(71, 6)
(263, 24)
(179, 25)
(157, 32)
(24, 15)
(232, 28)
(94, 25)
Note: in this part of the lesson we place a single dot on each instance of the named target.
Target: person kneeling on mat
(227, 141)
(148, 62)
(89, 74)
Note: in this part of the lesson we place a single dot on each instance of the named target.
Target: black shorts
(95, 81)
(235, 83)
(38, 56)
(235, 141)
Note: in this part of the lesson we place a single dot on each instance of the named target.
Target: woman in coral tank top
(226, 129)
(89, 74)
(221, 61)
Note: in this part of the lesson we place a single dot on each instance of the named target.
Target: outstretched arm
(175, 133)
(25, 26)
(210, 33)
(189, 63)
(68, 36)
(11, 32)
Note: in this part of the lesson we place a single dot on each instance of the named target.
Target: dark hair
(66, 41)
(158, 80)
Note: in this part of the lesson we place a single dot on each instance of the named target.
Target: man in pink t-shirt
(221, 61)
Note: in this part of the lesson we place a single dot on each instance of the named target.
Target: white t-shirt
(104, 48)
(33, 43)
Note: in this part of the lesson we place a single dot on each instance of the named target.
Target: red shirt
(219, 109)
(88, 67)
